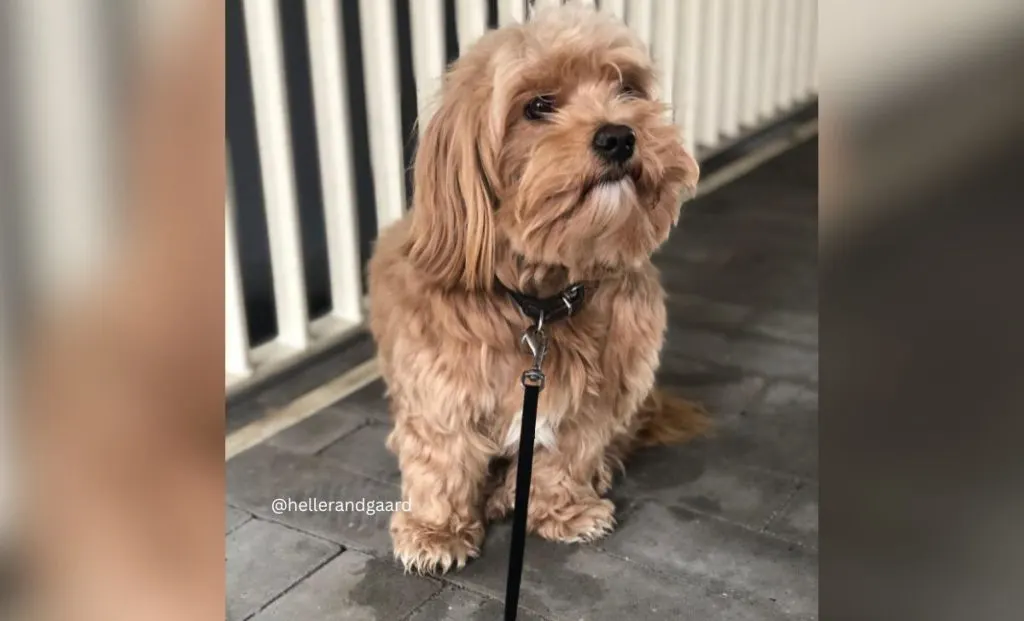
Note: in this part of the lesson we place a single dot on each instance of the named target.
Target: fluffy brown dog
(549, 162)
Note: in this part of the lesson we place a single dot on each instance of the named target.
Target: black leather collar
(563, 304)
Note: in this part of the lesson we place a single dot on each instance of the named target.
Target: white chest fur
(544, 433)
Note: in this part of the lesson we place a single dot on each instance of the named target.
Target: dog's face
(548, 144)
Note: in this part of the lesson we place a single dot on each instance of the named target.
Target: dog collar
(563, 304)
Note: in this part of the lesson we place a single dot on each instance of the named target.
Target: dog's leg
(564, 503)
(443, 474)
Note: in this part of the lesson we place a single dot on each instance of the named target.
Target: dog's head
(548, 143)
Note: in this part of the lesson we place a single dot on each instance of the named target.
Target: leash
(557, 307)
(533, 383)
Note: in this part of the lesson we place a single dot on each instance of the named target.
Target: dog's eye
(629, 91)
(539, 107)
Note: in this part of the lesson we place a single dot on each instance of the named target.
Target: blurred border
(922, 345)
(113, 152)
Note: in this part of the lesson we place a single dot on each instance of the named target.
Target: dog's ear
(453, 201)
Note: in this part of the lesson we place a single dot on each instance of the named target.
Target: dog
(549, 161)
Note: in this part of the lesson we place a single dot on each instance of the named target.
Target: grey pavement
(724, 528)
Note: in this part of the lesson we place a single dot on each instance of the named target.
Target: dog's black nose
(614, 143)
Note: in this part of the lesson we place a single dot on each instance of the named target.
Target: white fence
(728, 67)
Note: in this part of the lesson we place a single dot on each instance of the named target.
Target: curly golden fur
(501, 194)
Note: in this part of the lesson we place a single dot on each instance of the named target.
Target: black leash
(533, 383)
(556, 307)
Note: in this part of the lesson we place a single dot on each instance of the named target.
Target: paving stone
(701, 474)
(708, 254)
(783, 397)
(318, 431)
(799, 521)
(689, 309)
(757, 277)
(563, 581)
(800, 225)
(749, 353)
(799, 328)
(364, 452)
(233, 518)
(263, 560)
(455, 604)
(762, 446)
(728, 559)
(794, 287)
(724, 392)
(779, 432)
(682, 476)
(726, 400)
(354, 587)
(261, 474)
(782, 175)
(368, 402)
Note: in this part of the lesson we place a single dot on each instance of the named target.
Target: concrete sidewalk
(721, 529)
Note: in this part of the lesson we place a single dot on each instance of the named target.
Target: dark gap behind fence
(492, 14)
(407, 85)
(366, 198)
(250, 218)
(451, 39)
(305, 156)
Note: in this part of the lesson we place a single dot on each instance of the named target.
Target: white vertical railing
(806, 31)
(330, 101)
(428, 60)
(725, 66)
(236, 337)
(787, 53)
(770, 58)
(753, 75)
(271, 107)
(383, 101)
(686, 83)
(664, 52)
(711, 74)
(640, 17)
(732, 66)
(812, 69)
(511, 12)
(471, 21)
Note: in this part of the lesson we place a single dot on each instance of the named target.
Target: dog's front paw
(581, 521)
(427, 549)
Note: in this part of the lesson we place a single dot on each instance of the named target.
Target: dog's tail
(666, 419)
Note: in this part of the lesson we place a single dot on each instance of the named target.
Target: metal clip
(537, 342)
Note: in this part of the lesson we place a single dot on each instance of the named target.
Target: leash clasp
(537, 342)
